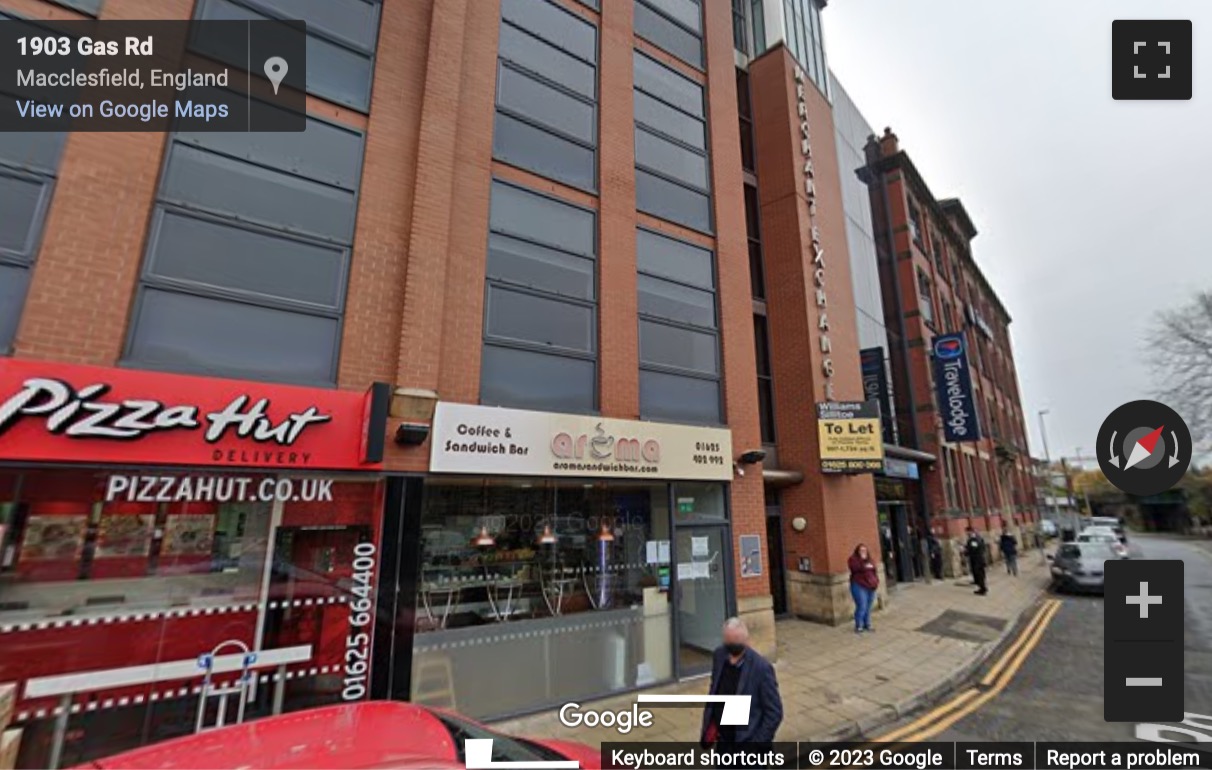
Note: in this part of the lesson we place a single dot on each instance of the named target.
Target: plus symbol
(1144, 599)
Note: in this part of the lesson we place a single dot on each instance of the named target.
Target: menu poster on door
(751, 556)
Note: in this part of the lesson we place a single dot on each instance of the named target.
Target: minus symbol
(1143, 681)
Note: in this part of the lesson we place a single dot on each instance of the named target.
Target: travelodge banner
(516, 442)
(54, 412)
(953, 383)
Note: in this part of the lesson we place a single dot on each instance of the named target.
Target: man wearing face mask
(738, 669)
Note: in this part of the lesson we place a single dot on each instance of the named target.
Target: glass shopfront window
(536, 592)
(104, 570)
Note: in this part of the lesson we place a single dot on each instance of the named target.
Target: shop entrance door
(774, 546)
(701, 560)
(895, 541)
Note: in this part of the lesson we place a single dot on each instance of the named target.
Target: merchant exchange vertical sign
(818, 251)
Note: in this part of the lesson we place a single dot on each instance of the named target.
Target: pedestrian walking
(974, 546)
(1009, 548)
(936, 556)
(864, 579)
(738, 669)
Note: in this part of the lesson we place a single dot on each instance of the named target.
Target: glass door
(702, 577)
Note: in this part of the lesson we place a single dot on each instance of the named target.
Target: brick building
(508, 363)
(932, 287)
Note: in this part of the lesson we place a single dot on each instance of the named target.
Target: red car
(378, 734)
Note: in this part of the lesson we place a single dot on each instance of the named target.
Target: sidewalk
(836, 684)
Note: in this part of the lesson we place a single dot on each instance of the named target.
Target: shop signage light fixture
(415, 406)
(818, 251)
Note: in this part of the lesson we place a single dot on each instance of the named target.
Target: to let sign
(68, 413)
(850, 437)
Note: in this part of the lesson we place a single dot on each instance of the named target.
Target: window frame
(361, 106)
(593, 357)
(701, 64)
(715, 332)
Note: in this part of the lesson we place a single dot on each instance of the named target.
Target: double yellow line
(961, 705)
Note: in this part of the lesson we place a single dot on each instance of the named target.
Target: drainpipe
(923, 515)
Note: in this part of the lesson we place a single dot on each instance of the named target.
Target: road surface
(1056, 694)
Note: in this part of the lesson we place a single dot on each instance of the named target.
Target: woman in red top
(863, 582)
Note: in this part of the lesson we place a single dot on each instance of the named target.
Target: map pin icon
(275, 70)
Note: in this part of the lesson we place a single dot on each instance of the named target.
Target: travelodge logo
(603, 446)
(948, 348)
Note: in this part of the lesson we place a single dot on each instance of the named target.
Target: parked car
(1112, 523)
(1100, 535)
(1079, 566)
(1048, 528)
(375, 734)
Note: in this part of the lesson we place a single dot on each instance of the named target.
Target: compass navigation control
(1144, 447)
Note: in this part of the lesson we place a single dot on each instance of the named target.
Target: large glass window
(675, 26)
(28, 164)
(523, 581)
(927, 296)
(761, 339)
(546, 119)
(341, 39)
(802, 26)
(672, 162)
(540, 315)
(679, 344)
(107, 570)
(247, 262)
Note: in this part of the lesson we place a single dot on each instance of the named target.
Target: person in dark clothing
(936, 556)
(1009, 548)
(737, 669)
(864, 579)
(974, 547)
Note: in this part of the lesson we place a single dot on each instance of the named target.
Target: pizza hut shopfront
(179, 552)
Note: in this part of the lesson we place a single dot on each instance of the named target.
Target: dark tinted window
(530, 380)
(533, 318)
(662, 31)
(670, 159)
(761, 343)
(28, 164)
(540, 343)
(552, 23)
(547, 92)
(553, 108)
(210, 252)
(678, 398)
(679, 345)
(684, 12)
(13, 280)
(529, 264)
(667, 200)
(655, 114)
(656, 79)
(91, 7)
(523, 145)
(190, 333)
(341, 39)
(670, 258)
(266, 241)
(541, 58)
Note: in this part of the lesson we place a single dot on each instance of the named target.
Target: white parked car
(1104, 535)
(1048, 528)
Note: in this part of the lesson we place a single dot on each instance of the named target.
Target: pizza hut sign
(68, 413)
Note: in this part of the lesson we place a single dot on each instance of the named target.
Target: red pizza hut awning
(52, 412)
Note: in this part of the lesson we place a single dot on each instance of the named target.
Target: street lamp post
(1043, 433)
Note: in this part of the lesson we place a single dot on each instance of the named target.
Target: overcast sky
(1092, 213)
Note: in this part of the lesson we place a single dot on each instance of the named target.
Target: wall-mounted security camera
(752, 456)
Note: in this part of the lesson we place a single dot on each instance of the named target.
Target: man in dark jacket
(975, 548)
(737, 669)
(1009, 547)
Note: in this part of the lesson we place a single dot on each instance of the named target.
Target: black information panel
(153, 75)
(1143, 641)
(931, 755)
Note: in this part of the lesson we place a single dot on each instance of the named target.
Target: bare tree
(1181, 348)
